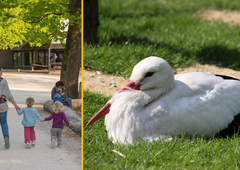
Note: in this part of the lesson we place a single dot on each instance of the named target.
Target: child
(58, 95)
(58, 116)
(29, 121)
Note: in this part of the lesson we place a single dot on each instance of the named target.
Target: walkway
(40, 157)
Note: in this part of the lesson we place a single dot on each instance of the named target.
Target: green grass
(181, 153)
(132, 30)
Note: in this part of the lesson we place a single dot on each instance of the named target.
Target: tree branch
(36, 21)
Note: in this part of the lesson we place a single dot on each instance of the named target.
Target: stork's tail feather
(227, 77)
(233, 128)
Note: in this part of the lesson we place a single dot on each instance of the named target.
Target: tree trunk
(71, 62)
(91, 21)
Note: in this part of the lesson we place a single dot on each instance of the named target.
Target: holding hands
(15, 104)
(17, 107)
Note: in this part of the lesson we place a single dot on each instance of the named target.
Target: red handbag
(3, 99)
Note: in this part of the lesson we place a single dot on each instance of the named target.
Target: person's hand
(69, 125)
(17, 107)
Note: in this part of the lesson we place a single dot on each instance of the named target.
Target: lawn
(132, 30)
(182, 152)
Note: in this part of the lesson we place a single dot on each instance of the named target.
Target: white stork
(155, 103)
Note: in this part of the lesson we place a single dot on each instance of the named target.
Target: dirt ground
(103, 83)
(108, 85)
(231, 17)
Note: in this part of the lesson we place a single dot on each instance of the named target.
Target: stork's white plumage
(156, 103)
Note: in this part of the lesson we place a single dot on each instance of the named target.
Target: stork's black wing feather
(233, 127)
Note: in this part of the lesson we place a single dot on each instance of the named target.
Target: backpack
(2, 97)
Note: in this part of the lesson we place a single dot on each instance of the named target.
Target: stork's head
(150, 73)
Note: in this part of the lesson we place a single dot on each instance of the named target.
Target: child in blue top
(29, 121)
(58, 95)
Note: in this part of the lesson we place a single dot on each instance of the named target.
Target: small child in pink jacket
(58, 116)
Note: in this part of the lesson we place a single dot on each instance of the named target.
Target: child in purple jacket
(58, 116)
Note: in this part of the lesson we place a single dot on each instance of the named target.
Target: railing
(55, 65)
(38, 65)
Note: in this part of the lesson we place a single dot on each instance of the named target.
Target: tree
(19, 21)
(38, 22)
(91, 21)
(72, 56)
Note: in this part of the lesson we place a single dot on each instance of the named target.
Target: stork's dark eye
(149, 74)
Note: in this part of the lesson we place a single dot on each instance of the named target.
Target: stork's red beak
(105, 110)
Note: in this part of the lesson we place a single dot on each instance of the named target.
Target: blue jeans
(68, 102)
(56, 133)
(4, 125)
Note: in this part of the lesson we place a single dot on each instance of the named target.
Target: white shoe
(53, 143)
(28, 146)
(33, 143)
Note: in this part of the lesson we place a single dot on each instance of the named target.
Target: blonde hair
(30, 101)
(57, 107)
(59, 90)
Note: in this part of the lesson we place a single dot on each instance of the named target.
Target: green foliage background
(36, 21)
(131, 30)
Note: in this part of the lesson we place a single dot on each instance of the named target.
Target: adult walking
(5, 94)
(65, 99)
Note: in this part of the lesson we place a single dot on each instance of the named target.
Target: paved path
(40, 157)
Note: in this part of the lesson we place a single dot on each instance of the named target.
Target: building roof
(26, 46)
